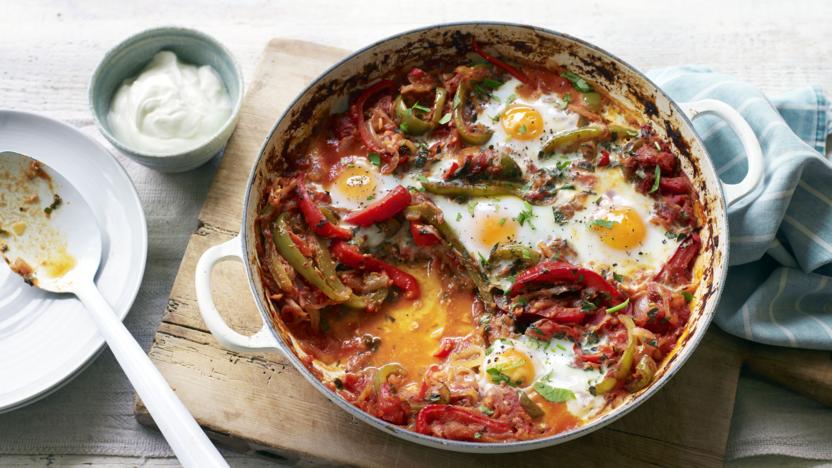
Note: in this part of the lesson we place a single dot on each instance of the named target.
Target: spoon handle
(188, 441)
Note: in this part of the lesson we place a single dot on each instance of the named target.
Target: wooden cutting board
(260, 403)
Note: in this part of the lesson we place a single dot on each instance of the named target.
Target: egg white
(553, 361)
(525, 152)
(613, 190)
(349, 201)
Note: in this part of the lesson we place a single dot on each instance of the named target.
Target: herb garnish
(579, 83)
(657, 177)
(526, 215)
(551, 393)
(604, 223)
(375, 158)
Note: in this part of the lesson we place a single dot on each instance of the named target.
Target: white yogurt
(170, 107)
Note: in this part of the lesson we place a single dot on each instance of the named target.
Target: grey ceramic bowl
(129, 57)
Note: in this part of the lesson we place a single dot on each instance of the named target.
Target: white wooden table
(49, 48)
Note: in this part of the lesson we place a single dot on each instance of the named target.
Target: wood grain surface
(261, 403)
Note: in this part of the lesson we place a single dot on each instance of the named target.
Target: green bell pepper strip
(413, 125)
(625, 364)
(386, 371)
(509, 169)
(304, 266)
(572, 137)
(645, 369)
(621, 131)
(473, 134)
(514, 251)
(363, 301)
(327, 266)
(530, 407)
(483, 189)
(604, 386)
(592, 101)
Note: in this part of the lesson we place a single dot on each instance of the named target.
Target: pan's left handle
(739, 191)
(263, 340)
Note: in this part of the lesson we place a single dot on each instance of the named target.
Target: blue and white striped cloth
(783, 298)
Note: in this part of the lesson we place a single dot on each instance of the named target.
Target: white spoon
(60, 252)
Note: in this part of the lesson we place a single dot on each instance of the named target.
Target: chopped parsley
(688, 296)
(617, 277)
(403, 127)
(526, 215)
(483, 260)
(588, 305)
(560, 218)
(497, 376)
(619, 307)
(472, 205)
(657, 177)
(486, 410)
(522, 130)
(445, 119)
(551, 393)
(375, 158)
(459, 216)
(579, 83)
(604, 223)
(562, 165)
(511, 98)
(420, 107)
(480, 91)
(491, 83)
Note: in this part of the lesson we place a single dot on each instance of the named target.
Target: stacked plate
(47, 339)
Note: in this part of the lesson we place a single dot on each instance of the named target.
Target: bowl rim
(702, 326)
(128, 42)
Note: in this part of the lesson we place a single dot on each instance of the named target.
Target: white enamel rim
(46, 340)
(268, 340)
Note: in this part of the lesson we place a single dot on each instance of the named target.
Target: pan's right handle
(749, 141)
(263, 340)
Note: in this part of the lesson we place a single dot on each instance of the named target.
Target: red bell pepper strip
(551, 271)
(424, 235)
(357, 113)
(605, 159)
(315, 218)
(468, 417)
(446, 346)
(349, 256)
(502, 65)
(677, 270)
(392, 204)
(451, 170)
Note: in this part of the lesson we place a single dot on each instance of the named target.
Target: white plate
(46, 339)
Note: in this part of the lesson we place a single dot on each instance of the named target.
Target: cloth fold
(778, 289)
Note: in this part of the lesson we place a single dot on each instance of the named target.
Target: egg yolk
(494, 228)
(621, 228)
(356, 182)
(515, 365)
(522, 122)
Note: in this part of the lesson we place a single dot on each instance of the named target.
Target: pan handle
(263, 340)
(738, 191)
